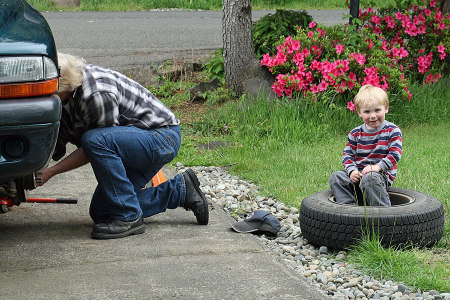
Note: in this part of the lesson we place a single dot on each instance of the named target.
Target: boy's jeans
(373, 186)
(124, 160)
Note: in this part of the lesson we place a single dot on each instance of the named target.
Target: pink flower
(314, 88)
(310, 34)
(305, 52)
(399, 52)
(385, 85)
(411, 29)
(376, 19)
(312, 24)
(323, 85)
(390, 22)
(437, 76)
(376, 30)
(425, 62)
(429, 78)
(301, 69)
(351, 106)
(370, 10)
(339, 48)
(309, 77)
(433, 78)
(441, 48)
(371, 71)
(321, 32)
(298, 58)
(360, 59)
(266, 60)
(280, 58)
(351, 82)
(340, 88)
(422, 30)
(433, 3)
(292, 46)
(372, 76)
(316, 50)
(316, 65)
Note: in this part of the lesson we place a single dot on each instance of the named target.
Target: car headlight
(25, 76)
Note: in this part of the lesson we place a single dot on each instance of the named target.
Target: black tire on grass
(414, 218)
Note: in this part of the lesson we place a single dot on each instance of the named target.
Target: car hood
(24, 31)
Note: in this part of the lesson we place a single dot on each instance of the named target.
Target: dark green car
(29, 112)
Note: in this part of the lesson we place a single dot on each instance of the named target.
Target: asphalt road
(128, 40)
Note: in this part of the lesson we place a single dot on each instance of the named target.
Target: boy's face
(373, 114)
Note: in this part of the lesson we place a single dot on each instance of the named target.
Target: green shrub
(421, 32)
(270, 29)
(214, 65)
(338, 59)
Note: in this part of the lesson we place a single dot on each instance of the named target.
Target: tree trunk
(444, 5)
(237, 38)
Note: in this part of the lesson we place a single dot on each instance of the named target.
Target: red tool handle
(52, 200)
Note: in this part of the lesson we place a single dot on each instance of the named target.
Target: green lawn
(123, 5)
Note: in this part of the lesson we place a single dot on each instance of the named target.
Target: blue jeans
(124, 160)
(372, 187)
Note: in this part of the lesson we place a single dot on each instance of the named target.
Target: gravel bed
(329, 271)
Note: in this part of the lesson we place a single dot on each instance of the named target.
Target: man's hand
(75, 160)
(42, 176)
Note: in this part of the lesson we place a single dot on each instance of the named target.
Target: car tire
(414, 218)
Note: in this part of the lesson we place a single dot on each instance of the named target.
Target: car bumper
(28, 133)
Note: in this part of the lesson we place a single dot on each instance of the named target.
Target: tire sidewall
(335, 225)
(422, 203)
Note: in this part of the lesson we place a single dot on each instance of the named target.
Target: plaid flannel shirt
(107, 98)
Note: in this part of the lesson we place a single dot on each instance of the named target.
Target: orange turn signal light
(28, 89)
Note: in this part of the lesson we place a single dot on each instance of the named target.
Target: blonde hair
(71, 72)
(369, 94)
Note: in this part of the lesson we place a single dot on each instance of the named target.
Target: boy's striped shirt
(382, 146)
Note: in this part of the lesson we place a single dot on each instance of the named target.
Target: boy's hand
(355, 176)
(370, 168)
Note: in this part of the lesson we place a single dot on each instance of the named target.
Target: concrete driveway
(47, 253)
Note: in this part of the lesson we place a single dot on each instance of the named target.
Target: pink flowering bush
(334, 59)
(388, 50)
(421, 33)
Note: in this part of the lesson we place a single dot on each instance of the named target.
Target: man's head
(71, 73)
(372, 105)
(71, 76)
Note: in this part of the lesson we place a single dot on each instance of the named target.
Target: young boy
(372, 152)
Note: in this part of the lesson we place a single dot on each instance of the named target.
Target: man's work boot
(114, 229)
(195, 199)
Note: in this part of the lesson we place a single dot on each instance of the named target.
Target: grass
(290, 149)
(424, 269)
(130, 5)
